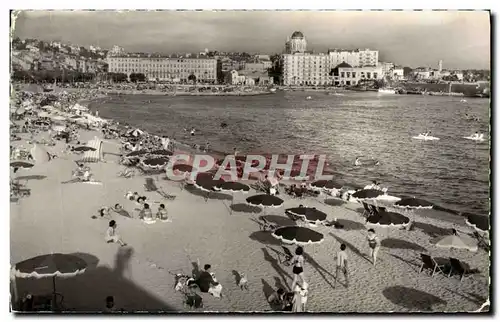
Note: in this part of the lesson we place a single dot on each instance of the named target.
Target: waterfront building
(259, 66)
(164, 68)
(398, 73)
(302, 67)
(346, 75)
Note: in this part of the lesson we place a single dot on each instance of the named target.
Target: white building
(345, 75)
(165, 68)
(306, 69)
(356, 57)
(398, 73)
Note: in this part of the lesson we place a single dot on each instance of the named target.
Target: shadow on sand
(277, 267)
(32, 177)
(213, 195)
(431, 230)
(334, 202)
(401, 244)
(279, 220)
(350, 246)
(320, 269)
(411, 298)
(87, 292)
(351, 225)
(243, 207)
(265, 238)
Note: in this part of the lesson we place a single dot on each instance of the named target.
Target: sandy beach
(57, 218)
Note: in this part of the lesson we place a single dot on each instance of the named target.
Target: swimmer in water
(192, 131)
(357, 162)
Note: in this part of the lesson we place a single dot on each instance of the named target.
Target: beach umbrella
(182, 167)
(367, 194)
(135, 132)
(264, 200)
(479, 223)
(21, 165)
(298, 235)
(155, 163)
(458, 242)
(136, 154)
(309, 214)
(83, 148)
(39, 154)
(388, 219)
(326, 184)
(161, 152)
(205, 181)
(231, 186)
(413, 203)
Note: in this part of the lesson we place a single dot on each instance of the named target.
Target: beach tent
(93, 156)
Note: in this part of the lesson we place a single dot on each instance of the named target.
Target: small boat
(272, 90)
(425, 137)
(463, 101)
(336, 94)
(308, 98)
(386, 90)
(479, 138)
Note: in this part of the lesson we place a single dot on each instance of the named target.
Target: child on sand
(342, 264)
(162, 213)
(112, 236)
(374, 244)
(300, 296)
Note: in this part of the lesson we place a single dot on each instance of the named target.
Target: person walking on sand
(162, 213)
(298, 264)
(112, 236)
(342, 265)
(374, 244)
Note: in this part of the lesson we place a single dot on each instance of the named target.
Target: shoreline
(160, 93)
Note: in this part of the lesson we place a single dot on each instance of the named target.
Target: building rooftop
(297, 35)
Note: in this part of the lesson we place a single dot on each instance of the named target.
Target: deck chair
(287, 256)
(266, 225)
(367, 210)
(430, 263)
(483, 241)
(458, 268)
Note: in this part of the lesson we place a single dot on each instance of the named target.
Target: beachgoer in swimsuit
(146, 213)
(342, 264)
(298, 264)
(374, 244)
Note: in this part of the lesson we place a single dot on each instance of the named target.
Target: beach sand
(57, 218)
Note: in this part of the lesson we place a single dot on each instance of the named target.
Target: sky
(460, 38)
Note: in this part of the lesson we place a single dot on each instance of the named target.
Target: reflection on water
(453, 172)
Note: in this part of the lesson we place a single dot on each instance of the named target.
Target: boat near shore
(387, 90)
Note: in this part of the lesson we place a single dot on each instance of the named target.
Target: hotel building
(164, 68)
(301, 67)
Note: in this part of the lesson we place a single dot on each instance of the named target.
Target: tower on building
(440, 66)
(296, 44)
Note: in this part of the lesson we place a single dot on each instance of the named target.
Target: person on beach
(207, 146)
(357, 162)
(208, 283)
(374, 244)
(235, 152)
(112, 236)
(110, 304)
(162, 213)
(277, 299)
(146, 213)
(298, 264)
(104, 212)
(300, 290)
(342, 265)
